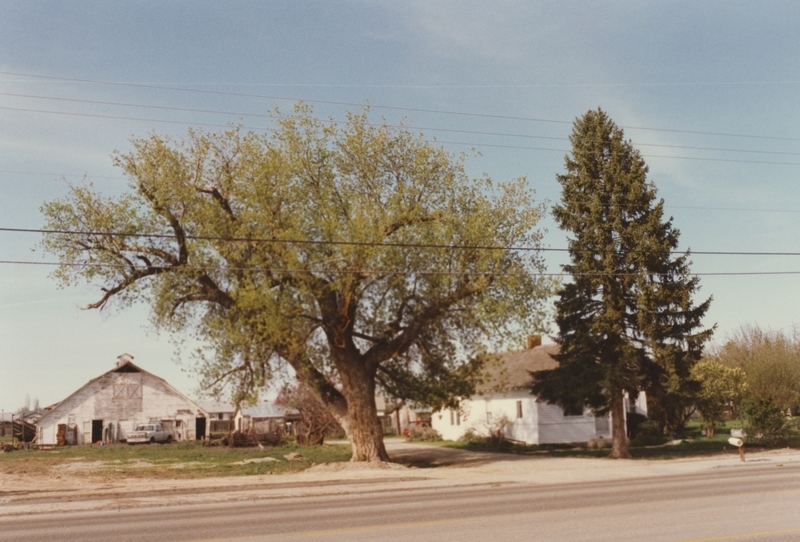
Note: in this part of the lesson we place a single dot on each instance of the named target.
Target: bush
(647, 433)
(472, 436)
(423, 434)
(768, 422)
(633, 422)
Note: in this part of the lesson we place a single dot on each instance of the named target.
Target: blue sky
(708, 91)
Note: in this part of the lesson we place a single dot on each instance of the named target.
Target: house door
(97, 431)
(200, 428)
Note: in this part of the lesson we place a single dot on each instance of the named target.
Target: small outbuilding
(108, 407)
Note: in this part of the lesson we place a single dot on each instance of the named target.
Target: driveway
(423, 455)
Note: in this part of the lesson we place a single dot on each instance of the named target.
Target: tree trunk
(364, 429)
(619, 433)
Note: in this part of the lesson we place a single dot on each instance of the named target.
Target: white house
(505, 395)
(110, 406)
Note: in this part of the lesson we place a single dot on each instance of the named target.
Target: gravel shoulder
(73, 491)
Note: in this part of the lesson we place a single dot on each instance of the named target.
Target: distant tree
(771, 362)
(720, 387)
(316, 421)
(359, 255)
(626, 321)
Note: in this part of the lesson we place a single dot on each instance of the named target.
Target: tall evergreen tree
(626, 320)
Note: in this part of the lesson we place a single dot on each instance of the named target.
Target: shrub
(768, 422)
(633, 422)
(647, 434)
(470, 435)
(423, 434)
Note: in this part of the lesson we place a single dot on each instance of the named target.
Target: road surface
(757, 503)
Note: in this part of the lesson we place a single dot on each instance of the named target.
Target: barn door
(200, 428)
(97, 431)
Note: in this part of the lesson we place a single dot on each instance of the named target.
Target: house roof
(512, 370)
(124, 365)
(216, 406)
(268, 410)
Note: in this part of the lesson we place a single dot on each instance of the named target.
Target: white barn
(110, 406)
(530, 421)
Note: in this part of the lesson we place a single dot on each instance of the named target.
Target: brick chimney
(534, 341)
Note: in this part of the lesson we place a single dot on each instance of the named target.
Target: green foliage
(768, 423)
(634, 423)
(352, 253)
(771, 363)
(626, 321)
(647, 433)
(720, 386)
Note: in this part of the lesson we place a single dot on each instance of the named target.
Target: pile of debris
(247, 439)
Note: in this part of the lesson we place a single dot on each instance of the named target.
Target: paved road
(757, 503)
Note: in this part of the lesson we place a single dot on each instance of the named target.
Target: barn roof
(123, 365)
(512, 370)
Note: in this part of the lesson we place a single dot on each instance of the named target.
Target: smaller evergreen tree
(626, 321)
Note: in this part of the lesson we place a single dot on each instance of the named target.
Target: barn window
(127, 386)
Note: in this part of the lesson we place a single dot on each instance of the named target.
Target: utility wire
(631, 205)
(358, 243)
(388, 107)
(391, 272)
(425, 128)
(473, 145)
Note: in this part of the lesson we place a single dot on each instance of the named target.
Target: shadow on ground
(425, 456)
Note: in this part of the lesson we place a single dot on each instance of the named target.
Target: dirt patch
(255, 460)
(350, 467)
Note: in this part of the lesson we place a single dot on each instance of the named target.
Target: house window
(573, 411)
(519, 409)
(452, 418)
(458, 417)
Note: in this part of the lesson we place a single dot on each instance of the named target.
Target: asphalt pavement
(761, 502)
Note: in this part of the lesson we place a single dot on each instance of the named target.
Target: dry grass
(177, 460)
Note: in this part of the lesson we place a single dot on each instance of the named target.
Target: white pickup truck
(149, 433)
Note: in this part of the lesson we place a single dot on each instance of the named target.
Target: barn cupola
(123, 359)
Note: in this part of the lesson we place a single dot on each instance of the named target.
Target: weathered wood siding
(120, 400)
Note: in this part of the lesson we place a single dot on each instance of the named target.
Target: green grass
(176, 460)
(693, 445)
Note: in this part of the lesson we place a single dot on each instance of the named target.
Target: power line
(356, 243)
(473, 145)
(388, 107)
(392, 272)
(425, 128)
(687, 207)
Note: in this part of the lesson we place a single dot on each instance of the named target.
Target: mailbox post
(739, 443)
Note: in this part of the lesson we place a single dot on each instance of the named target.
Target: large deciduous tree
(626, 321)
(358, 255)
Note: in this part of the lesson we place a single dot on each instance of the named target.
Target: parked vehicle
(149, 433)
